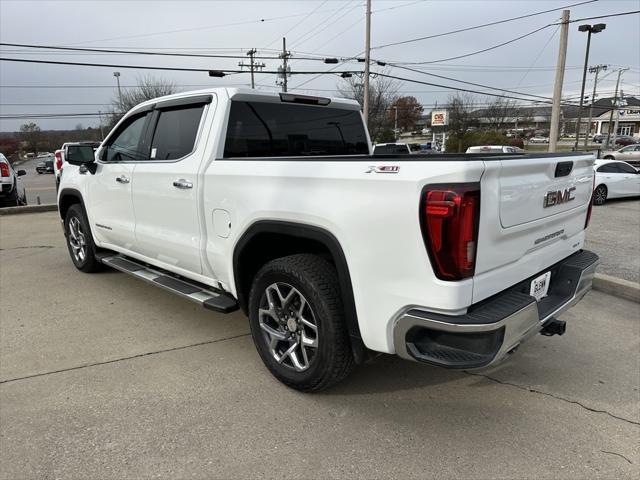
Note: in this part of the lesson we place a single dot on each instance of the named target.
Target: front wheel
(297, 322)
(600, 195)
(79, 240)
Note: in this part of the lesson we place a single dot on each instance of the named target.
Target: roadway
(104, 375)
(37, 185)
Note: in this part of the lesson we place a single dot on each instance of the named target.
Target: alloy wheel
(289, 326)
(77, 240)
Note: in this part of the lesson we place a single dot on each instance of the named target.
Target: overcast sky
(333, 28)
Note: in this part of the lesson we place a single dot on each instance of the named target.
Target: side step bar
(207, 296)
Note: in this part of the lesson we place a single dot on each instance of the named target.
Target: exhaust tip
(554, 327)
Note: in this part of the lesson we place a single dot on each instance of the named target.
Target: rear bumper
(495, 327)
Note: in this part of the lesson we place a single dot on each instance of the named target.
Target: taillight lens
(58, 160)
(4, 169)
(450, 216)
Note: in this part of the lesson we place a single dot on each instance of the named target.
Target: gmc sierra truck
(274, 204)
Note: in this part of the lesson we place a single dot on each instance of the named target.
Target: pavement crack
(25, 248)
(617, 454)
(557, 397)
(116, 360)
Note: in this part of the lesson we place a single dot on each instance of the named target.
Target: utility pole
(285, 57)
(595, 70)
(613, 107)
(367, 60)
(252, 65)
(557, 88)
(395, 127)
(101, 130)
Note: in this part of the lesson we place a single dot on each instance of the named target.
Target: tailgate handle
(564, 168)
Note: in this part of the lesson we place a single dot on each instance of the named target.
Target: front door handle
(182, 184)
(122, 179)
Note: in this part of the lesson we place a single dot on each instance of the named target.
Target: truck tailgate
(533, 213)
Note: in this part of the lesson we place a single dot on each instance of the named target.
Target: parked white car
(12, 192)
(539, 139)
(272, 203)
(615, 179)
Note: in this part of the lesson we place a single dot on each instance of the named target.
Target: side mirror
(21, 172)
(79, 154)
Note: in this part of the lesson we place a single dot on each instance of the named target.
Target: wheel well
(601, 185)
(264, 247)
(608, 157)
(67, 199)
(268, 240)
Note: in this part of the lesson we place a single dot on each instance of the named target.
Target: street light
(117, 75)
(597, 28)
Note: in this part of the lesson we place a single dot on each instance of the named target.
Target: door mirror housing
(24, 172)
(80, 154)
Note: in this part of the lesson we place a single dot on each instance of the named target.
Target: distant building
(538, 118)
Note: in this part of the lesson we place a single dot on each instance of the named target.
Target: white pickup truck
(273, 203)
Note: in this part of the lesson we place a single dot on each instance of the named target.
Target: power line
(147, 67)
(481, 26)
(144, 52)
(451, 87)
(603, 16)
(469, 83)
(297, 24)
(479, 51)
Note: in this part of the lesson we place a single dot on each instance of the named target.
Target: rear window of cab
(261, 129)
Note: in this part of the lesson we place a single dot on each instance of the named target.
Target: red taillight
(4, 169)
(58, 160)
(450, 216)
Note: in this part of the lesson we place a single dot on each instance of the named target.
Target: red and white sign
(439, 118)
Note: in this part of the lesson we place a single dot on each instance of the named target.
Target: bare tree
(382, 93)
(500, 113)
(148, 88)
(408, 112)
(30, 134)
(461, 108)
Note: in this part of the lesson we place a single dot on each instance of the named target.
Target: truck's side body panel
(372, 212)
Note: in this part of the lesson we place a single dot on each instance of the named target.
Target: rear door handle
(182, 184)
(122, 179)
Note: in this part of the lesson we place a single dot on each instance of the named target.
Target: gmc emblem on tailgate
(558, 196)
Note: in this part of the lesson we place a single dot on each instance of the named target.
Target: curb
(50, 207)
(617, 287)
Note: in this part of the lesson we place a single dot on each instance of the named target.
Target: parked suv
(272, 203)
(45, 167)
(12, 192)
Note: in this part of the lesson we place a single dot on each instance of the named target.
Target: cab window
(126, 144)
(176, 132)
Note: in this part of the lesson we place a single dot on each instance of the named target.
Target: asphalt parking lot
(105, 376)
(37, 185)
(614, 234)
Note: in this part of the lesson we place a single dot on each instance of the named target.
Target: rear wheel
(600, 195)
(79, 240)
(297, 322)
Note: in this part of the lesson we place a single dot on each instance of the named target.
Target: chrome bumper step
(205, 295)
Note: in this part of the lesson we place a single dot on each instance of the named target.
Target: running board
(207, 296)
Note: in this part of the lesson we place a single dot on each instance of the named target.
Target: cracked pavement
(104, 376)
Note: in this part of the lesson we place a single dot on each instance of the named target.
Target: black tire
(600, 195)
(87, 262)
(12, 200)
(317, 282)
